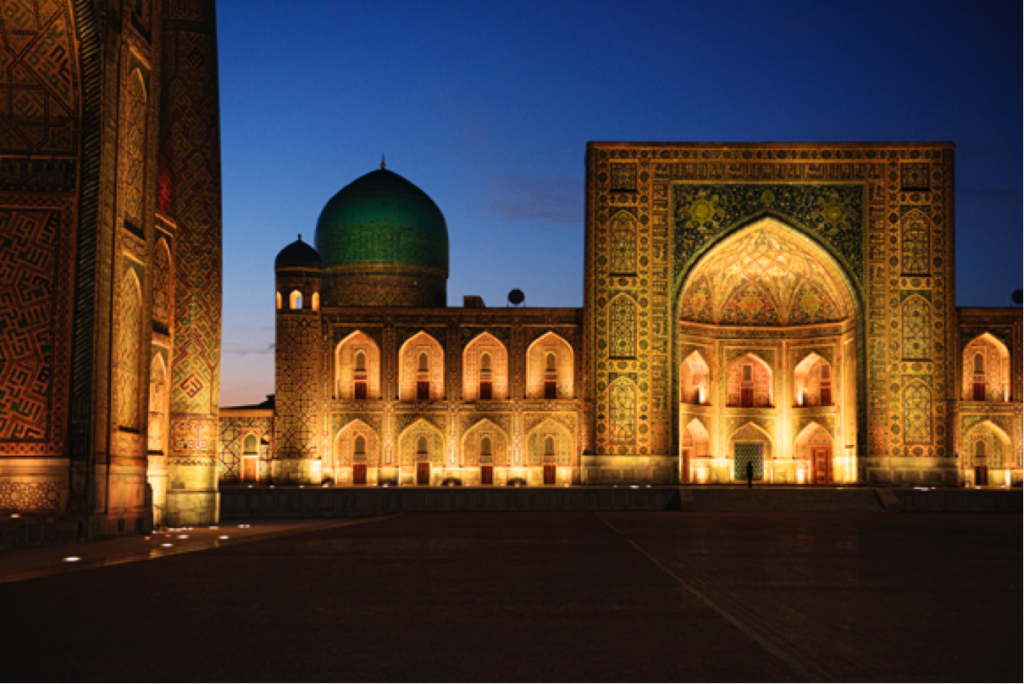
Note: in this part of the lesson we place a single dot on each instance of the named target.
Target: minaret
(298, 272)
(190, 196)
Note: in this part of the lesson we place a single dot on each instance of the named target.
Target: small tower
(298, 275)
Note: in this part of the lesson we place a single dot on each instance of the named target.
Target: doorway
(981, 476)
(250, 469)
(487, 475)
(423, 474)
(549, 475)
(752, 454)
(359, 474)
(821, 463)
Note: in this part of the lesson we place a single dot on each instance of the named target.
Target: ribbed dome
(381, 218)
(298, 255)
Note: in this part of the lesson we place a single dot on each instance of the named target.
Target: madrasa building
(790, 307)
(787, 306)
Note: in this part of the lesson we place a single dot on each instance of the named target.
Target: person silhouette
(750, 475)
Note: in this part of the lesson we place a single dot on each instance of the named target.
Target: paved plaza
(537, 597)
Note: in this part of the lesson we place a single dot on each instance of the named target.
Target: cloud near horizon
(538, 199)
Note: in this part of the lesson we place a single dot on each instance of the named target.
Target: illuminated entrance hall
(767, 329)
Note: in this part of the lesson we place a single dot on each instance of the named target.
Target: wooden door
(249, 469)
(359, 474)
(684, 477)
(487, 475)
(981, 476)
(747, 397)
(549, 474)
(423, 474)
(822, 464)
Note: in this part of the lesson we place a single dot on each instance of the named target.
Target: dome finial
(383, 163)
(300, 237)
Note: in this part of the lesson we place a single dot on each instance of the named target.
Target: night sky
(488, 108)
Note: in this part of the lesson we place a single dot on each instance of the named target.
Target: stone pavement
(611, 596)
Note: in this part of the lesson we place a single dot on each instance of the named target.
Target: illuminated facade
(791, 307)
(378, 383)
(787, 306)
(110, 245)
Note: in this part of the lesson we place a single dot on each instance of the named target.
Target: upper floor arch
(549, 368)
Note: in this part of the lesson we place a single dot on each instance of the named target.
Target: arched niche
(750, 382)
(485, 444)
(549, 368)
(485, 369)
(814, 382)
(986, 370)
(550, 444)
(421, 442)
(357, 369)
(694, 380)
(357, 443)
(421, 369)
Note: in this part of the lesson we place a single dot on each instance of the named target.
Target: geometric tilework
(189, 192)
(832, 213)
(28, 263)
(31, 496)
(233, 433)
(37, 78)
(297, 386)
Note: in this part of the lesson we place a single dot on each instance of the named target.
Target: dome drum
(385, 285)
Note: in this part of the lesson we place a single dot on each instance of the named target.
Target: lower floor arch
(987, 458)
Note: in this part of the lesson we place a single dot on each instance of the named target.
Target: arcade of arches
(798, 318)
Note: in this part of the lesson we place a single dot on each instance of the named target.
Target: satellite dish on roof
(1018, 297)
(516, 297)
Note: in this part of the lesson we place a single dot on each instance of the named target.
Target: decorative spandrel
(832, 213)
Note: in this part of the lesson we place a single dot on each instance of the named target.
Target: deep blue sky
(488, 107)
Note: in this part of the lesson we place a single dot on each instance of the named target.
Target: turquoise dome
(382, 219)
(298, 255)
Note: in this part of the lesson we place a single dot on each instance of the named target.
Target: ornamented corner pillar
(189, 191)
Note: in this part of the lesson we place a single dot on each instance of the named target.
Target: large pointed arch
(766, 273)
